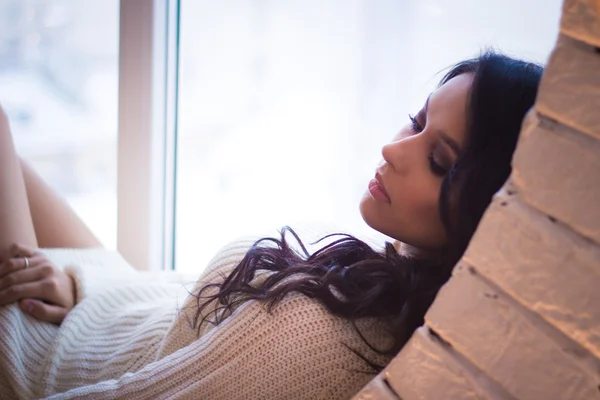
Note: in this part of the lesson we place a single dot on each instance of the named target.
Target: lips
(377, 189)
(380, 183)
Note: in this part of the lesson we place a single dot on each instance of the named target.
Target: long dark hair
(353, 280)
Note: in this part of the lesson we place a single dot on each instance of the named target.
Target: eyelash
(436, 168)
(415, 124)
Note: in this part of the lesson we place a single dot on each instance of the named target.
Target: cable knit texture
(129, 336)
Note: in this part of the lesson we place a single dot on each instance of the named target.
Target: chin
(373, 217)
(366, 209)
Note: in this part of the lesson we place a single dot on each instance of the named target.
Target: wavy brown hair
(353, 280)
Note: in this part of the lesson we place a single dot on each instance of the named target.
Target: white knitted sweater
(129, 337)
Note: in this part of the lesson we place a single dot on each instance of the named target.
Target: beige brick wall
(580, 20)
(557, 171)
(520, 318)
(571, 89)
(545, 267)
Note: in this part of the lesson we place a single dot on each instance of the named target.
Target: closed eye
(436, 168)
(416, 127)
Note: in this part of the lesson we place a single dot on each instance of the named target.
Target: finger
(17, 263)
(21, 250)
(31, 274)
(43, 311)
(36, 289)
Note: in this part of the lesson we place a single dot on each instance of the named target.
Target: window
(284, 106)
(58, 74)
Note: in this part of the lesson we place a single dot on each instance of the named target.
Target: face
(402, 201)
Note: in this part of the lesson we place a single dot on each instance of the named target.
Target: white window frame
(147, 132)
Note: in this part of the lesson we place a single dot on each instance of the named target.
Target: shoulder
(297, 350)
(320, 346)
(305, 320)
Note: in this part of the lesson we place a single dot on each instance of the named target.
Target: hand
(43, 291)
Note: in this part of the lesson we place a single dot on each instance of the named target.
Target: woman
(267, 319)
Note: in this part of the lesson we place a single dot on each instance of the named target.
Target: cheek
(424, 227)
(418, 203)
(416, 214)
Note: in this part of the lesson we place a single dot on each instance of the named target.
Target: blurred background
(283, 105)
(59, 87)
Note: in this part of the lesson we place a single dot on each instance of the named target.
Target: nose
(389, 152)
(396, 153)
(386, 152)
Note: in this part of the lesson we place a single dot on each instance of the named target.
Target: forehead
(447, 107)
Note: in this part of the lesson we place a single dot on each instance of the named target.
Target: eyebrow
(445, 137)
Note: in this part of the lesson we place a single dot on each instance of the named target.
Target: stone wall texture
(520, 318)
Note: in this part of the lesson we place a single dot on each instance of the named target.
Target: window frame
(147, 132)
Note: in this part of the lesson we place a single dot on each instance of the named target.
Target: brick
(557, 170)
(422, 370)
(570, 88)
(376, 390)
(532, 258)
(581, 20)
(490, 331)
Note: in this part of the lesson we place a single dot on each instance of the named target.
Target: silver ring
(26, 262)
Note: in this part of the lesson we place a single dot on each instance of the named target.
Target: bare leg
(55, 222)
(16, 225)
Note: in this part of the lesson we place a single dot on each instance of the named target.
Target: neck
(411, 251)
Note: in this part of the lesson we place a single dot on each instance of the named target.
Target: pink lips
(378, 191)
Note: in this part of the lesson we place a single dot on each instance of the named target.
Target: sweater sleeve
(92, 269)
(294, 352)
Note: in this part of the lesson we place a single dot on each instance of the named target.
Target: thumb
(43, 311)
